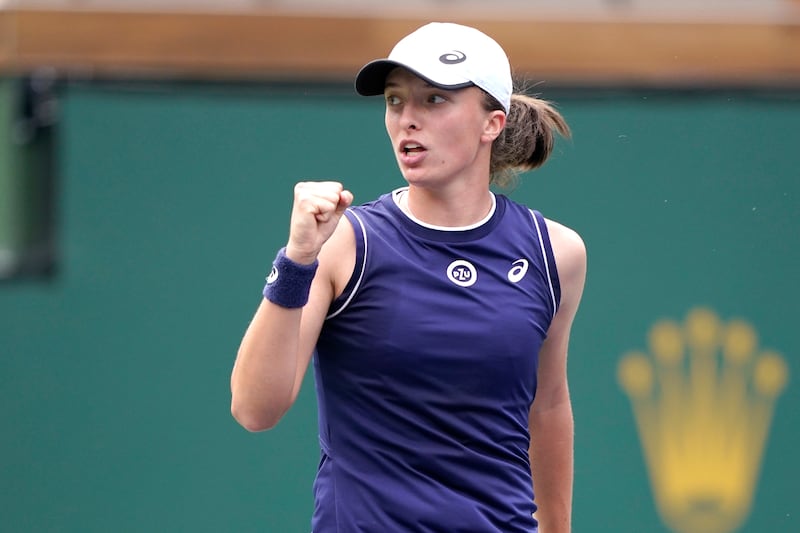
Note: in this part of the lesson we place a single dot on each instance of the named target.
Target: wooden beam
(266, 45)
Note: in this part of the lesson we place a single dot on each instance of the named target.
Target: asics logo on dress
(518, 271)
(464, 274)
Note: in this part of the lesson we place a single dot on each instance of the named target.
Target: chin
(415, 176)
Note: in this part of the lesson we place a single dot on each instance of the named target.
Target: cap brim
(371, 79)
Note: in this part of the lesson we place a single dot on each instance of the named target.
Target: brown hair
(528, 138)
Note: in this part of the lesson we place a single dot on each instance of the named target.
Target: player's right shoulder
(337, 258)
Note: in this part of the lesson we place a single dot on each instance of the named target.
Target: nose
(409, 118)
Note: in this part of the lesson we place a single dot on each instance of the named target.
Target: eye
(392, 99)
(437, 99)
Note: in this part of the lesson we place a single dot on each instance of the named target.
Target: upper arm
(570, 256)
(336, 264)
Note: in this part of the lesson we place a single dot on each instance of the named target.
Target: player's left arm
(550, 421)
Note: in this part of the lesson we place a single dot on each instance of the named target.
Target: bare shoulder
(570, 254)
(337, 258)
(568, 246)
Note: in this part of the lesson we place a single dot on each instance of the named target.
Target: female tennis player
(437, 316)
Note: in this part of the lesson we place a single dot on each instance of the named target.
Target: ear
(495, 123)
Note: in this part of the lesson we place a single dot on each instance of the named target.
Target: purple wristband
(289, 283)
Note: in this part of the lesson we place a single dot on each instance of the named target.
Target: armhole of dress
(360, 233)
(549, 258)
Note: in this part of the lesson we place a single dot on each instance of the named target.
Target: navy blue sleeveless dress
(426, 370)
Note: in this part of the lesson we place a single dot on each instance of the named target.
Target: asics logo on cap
(453, 58)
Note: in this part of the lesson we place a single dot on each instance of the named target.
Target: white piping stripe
(397, 194)
(360, 275)
(546, 263)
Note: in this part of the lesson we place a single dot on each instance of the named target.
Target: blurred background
(148, 151)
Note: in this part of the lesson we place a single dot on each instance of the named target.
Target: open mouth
(412, 148)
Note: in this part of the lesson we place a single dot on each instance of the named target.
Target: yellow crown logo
(703, 405)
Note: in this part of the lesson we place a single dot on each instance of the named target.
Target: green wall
(114, 395)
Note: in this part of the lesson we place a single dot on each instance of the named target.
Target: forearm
(551, 453)
(263, 378)
(277, 346)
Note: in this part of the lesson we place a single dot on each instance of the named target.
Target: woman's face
(438, 135)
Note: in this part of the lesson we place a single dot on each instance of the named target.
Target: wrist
(298, 256)
(289, 282)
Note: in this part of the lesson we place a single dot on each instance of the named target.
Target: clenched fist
(318, 206)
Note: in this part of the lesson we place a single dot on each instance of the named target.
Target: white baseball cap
(446, 55)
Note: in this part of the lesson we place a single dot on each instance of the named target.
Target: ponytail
(528, 138)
